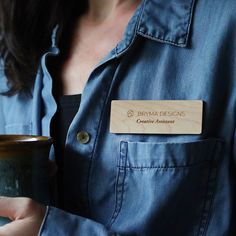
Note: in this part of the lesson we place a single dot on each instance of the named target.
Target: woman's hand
(26, 215)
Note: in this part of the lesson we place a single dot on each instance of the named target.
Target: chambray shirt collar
(159, 20)
(166, 21)
(54, 41)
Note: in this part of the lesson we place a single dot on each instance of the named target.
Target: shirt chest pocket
(163, 184)
(25, 129)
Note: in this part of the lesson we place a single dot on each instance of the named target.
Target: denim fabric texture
(147, 184)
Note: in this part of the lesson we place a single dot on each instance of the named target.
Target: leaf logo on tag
(130, 113)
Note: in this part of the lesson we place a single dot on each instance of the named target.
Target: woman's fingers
(26, 215)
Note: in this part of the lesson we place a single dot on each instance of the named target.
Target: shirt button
(83, 137)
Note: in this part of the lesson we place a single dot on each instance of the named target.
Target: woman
(124, 179)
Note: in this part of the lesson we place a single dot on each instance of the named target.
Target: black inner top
(67, 107)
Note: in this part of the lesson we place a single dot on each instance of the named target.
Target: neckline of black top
(69, 100)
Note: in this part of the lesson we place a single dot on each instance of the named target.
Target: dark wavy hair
(25, 33)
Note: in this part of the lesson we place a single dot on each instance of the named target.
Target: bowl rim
(15, 140)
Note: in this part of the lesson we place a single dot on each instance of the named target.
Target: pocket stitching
(166, 168)
(122, 161)
(204, 217)
(210, 194)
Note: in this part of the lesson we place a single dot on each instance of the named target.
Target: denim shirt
(147, 184)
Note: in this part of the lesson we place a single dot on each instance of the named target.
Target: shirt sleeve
(2, 89)
(59, 222)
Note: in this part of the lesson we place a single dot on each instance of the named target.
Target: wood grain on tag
(156, 117)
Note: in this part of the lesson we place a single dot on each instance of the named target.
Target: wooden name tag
(156, 117)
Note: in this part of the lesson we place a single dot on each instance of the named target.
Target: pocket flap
(167, 155)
